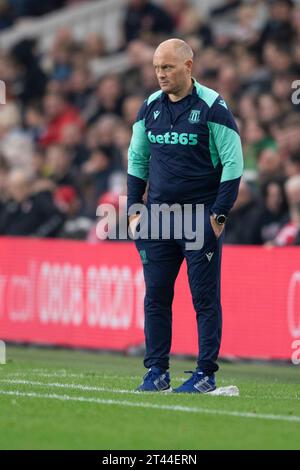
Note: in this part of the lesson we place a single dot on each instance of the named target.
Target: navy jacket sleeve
(227, 143)
(138, 160)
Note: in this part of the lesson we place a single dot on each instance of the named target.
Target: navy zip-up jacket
(189, 151)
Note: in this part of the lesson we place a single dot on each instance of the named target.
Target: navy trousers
(161, 263)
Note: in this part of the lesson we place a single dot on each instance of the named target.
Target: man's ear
(189, 64)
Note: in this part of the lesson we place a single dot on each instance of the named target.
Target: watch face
(221, 219)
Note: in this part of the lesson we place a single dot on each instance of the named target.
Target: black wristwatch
(220, 218)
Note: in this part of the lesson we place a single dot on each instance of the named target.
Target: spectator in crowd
(6, 15)
(191, 23)
(28, 72)
(148, 78)
(269, 165)
(34, 8)
(72, 140)
(131, 106)
(11, 10)
(34, 122)
(295, 20)
(288, 135)
(240, 222)
(4, 172)
(292, 165)
(58, 166)
(279, 26)
(140, 55)
(104, 135)
(290, 233)
(15, 143)
(144, 20)
(253, 77)
(228, 6)
(108, 98)
(110, 223)
(271, 214)
(27, 212)
(94, 46)
(76, 226)
(256, 139)
(277, 56)
(79, 88)
(58, 114)
(268, 108)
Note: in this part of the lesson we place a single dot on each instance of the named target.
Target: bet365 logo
(173, 138)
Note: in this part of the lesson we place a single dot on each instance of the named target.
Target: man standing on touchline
(186, 145)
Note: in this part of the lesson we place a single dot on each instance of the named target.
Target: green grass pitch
(63, 399)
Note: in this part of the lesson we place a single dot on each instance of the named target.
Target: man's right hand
(133, 221)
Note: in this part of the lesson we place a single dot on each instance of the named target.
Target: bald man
(186, 146)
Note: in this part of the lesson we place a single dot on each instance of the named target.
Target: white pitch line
(66, 373)
(185, 409)
(72, 375)
(84, 376)
(44, 374)
(115, 390)
(92, 388)
(87, 388)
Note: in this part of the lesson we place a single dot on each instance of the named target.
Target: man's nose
(161, 74)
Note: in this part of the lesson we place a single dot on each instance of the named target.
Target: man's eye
(164, 68)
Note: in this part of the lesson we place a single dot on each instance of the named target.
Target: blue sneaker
(156, 380)
(197, 383)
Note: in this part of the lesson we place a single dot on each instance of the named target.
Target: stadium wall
(78, 295)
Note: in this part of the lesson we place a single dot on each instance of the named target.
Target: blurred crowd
(14, 11)
(64, 133)
(11, 11)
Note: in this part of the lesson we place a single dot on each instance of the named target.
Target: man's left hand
(218, 229)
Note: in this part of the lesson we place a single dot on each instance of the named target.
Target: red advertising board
(76, 294)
